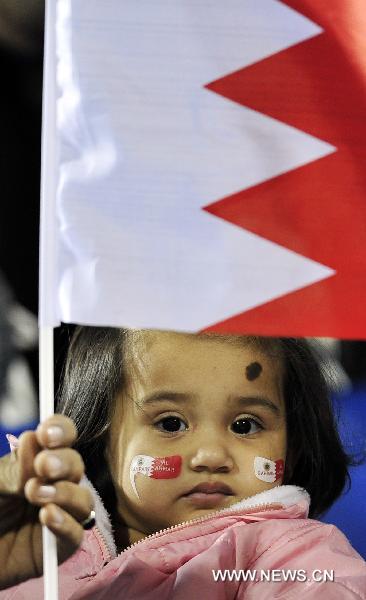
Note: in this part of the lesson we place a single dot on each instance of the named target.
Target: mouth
(208, 495)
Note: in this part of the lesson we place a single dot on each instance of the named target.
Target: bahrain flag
(203, 166)
(318, 209)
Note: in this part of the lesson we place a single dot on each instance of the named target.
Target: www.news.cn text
(317, 575)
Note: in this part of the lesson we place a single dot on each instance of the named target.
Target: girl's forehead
(165, 354)
(143, 342)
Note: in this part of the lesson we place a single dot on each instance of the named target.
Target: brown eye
(245, 426)
(171, 424)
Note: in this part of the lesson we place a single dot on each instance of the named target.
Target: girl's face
(215, 403)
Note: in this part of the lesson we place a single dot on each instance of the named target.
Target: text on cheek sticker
(268, 470)
(166, 467)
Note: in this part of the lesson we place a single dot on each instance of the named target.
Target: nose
(212, 457)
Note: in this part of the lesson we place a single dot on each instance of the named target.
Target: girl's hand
(43, 472)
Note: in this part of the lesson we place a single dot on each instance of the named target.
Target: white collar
(286, 495)
(281, 494)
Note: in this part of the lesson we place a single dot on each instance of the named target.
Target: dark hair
(316, 460)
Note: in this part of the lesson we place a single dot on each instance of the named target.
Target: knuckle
(25, 439)
(81, 462)
(73, 498)
(24, 435)
(73, 530)
(78, 465)
(87, 502)
(63, 495)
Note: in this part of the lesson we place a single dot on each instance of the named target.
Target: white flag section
(143, 146)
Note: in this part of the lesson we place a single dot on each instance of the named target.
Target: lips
(211, 488)
(208, 495)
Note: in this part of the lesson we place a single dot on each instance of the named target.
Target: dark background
(21, 63)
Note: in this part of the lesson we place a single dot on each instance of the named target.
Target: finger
(56, 431)
(68, 531)
(72, 498)
(26, 452)
(63, 463)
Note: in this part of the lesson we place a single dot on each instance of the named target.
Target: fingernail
(13, 441)
(55, 435)
(54, 465)
(46, 491)
(57, 518)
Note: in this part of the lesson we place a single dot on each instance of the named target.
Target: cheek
(156, 468)
(262, 465)
(268, 470)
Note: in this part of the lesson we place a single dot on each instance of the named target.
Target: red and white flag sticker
(166, 467)
(268, 470)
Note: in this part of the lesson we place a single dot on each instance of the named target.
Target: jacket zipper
(105, 549)
(225, 511)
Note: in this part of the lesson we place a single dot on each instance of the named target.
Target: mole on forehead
(253, 371)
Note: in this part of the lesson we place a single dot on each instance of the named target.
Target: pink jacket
(266, 538)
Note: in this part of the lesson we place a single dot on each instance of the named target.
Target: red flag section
(317, 210)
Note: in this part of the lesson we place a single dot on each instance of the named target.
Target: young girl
(204, 455)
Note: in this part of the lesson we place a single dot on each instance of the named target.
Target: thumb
(16, 468)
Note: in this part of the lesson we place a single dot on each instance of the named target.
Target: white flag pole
(48, 265)
(46, 410)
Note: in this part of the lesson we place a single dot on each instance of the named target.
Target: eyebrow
(165, 395)
(179, 398)
(258, 401)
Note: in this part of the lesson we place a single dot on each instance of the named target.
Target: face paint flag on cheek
(166, 467)
(268, 470)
